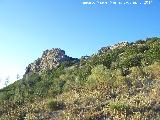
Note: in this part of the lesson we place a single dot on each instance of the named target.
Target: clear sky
(28, 27)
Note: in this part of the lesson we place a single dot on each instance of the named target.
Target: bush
(100, 73)
(119, 106)
(54, 105)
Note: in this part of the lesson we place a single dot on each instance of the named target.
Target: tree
(18, 76)
(6, 81)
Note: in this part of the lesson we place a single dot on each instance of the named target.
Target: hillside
(119, 82)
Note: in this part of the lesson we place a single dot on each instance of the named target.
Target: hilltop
(49, 60)
(119, 82)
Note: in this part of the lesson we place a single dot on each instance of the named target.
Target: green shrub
(119, 106)
(54, 105)
(99, 74)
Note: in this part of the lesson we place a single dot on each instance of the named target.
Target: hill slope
(119, 82)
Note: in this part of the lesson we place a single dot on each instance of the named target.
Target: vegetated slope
(119, 82)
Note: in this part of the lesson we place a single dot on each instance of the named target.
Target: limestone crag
(119, 45)
(109, 48)
(50, 59)
(104, 50)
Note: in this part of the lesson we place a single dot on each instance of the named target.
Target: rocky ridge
(53, 58)
(50, 59)
(116, 46)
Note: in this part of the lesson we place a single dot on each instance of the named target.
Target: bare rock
(50, 59)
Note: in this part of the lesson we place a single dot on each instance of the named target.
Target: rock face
(104, 50)
(109, 48)
(119, 45)
(50, 59)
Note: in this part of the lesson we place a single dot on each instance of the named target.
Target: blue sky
(28, 27)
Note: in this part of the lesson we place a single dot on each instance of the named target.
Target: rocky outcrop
(50, 59)
(109, 48)
(119, 45)
(104, 50)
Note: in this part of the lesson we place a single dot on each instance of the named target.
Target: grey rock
(50, 59)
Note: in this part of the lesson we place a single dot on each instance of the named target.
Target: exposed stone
(109, 48)
(119, 45)
(85, 57)
(50, 59)
(104, 50)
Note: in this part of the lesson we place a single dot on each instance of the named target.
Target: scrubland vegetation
(119, 84)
